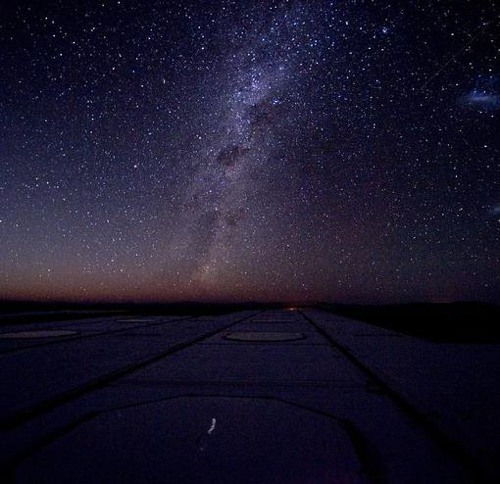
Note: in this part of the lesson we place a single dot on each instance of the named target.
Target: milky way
(278, 150)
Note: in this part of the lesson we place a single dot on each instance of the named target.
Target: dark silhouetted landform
(17, 311)
(460, 322)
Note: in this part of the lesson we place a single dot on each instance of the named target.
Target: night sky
(250, 150)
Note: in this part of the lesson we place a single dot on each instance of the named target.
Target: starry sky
(343, 151)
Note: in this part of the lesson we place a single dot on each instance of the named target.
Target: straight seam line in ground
(437, 436)
(20, 417)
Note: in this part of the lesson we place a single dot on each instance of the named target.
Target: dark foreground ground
(462, 322)
(248, 394)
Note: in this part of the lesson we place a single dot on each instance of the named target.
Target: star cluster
(249, 150)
